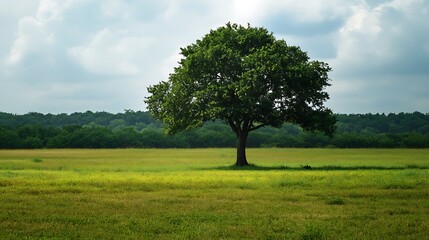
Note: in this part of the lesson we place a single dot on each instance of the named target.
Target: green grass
(198, 194)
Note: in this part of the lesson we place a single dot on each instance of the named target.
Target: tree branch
(258, 127)
(233, 126)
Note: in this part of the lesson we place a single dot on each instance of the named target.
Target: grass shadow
(253, 167)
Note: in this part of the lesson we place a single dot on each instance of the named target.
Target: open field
(196, 194)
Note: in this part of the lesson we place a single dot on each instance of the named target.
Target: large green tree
(246, 77)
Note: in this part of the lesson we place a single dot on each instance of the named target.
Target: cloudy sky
(76, 55)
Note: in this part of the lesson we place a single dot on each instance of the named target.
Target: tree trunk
(241, 149)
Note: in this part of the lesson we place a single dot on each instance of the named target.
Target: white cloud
(316, 10)
(32, 37)
(374, 38)
(48, 10)
(112, 53)
(35, 33)
(380, 50)
(249, 11)
(18, 8)
(361, 36)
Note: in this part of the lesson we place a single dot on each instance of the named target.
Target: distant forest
(136, 129)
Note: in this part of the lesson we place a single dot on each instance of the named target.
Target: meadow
(198, 194)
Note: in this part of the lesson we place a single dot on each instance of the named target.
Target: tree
(247, 78)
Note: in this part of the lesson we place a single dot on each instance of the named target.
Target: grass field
(197, 194)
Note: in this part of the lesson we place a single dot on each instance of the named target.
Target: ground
(198, 194)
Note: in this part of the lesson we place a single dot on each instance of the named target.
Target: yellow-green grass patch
(197, 194)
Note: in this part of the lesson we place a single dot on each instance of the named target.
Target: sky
(65, 56)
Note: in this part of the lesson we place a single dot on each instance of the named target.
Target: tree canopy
(247, 78)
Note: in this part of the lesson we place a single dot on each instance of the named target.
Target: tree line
(136, 129)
